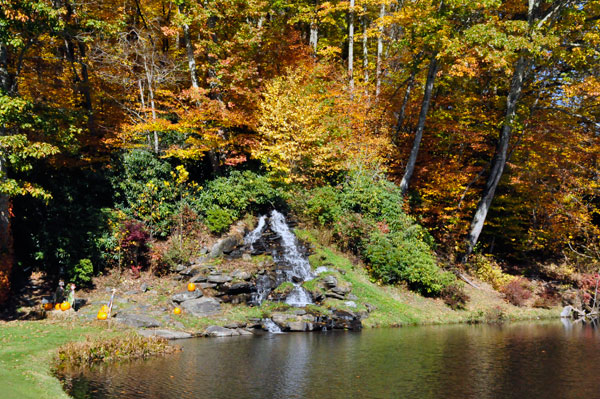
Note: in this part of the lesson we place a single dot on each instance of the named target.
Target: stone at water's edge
(202, 306)
(218, 331)
(167, 334)
(186, 296)
(136, 320)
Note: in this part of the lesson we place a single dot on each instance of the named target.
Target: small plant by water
(96, 350)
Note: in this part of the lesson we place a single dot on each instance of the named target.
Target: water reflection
(517, 361)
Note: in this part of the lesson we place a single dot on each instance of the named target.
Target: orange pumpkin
(48, 306)
(191, 287)
(65, 306)
(57, 306)
(102, 315)
(177, 310)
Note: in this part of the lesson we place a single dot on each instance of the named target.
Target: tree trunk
(314, 35)
(351, 45)
(402, 113)
(379, 52)
(412, 159)
(6, 242)
(190, 52)
(365, 23)
(499, 160)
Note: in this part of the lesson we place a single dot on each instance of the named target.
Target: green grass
(396, 305)
(26, 352)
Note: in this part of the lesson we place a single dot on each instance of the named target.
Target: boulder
(241, 288)
(218, 331)
(198, 278)
(207, 285)
(190, 271)
(330, 281)
(241, 275)
(227, 245)
(186, 296)
(136, 320)
(167, 334)
(202, 306)
(219, 278)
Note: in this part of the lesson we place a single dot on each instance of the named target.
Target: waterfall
(300, 266)
(294, 266)
(256, 233)
(270, 326)
(298, 298)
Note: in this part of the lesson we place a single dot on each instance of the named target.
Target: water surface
(535, 360)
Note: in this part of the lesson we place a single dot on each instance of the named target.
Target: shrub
(352, 230)
(226, 199)
(218, 219)
(548, 298)
(393, 259)
(455, 296)
(82, 272)
(517, 291)
(134, 244)
(489, 271)
(323, 205)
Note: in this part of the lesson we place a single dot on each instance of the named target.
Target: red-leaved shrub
(517, 291)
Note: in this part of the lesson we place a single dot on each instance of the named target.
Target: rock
(219, 278)
(331, 294)
(218, 331)
(343, 319)
(167, 334)
(352, 297)
(179, 268)
(186, 296)
(241, 275)
(370, 308)
(247, 257)
(198, 278)
(190, 271)
(342, 272)
(225, 245)
(254, 322)
(136, 320)
(144, 287)
(203, 251)
(207, 285)
(297, 326)
(350, 304)
(242, 331)
(330, 281)
(200, 260)
(241, 288)
(202, 306)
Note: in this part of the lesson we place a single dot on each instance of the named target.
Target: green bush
(226, 199)
(365, 214)
(218, 219)
(82, 273)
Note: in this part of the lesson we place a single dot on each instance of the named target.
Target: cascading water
(300, 268)
(295, 266)
(270, 326)
(255, 234)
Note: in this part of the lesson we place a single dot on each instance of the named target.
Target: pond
(533, 360)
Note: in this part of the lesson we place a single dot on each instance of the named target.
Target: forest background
(123, 123)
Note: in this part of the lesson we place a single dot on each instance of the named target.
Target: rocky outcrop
(218, 331)
(167, 334)
(136, 320)
(302, 321)
(186, 296)
(202, 307)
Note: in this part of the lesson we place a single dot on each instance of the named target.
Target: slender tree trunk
(6, 241)
(351, 45)
(190, 52)
(499, 160)
(379, 51)
(314, 34)
(402, 113)
(412, 159)
(149, 80)
(365, 23)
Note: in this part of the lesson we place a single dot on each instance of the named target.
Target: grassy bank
(27, 349)
(397, 306)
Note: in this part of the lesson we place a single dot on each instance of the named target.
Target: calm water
(515, 361)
